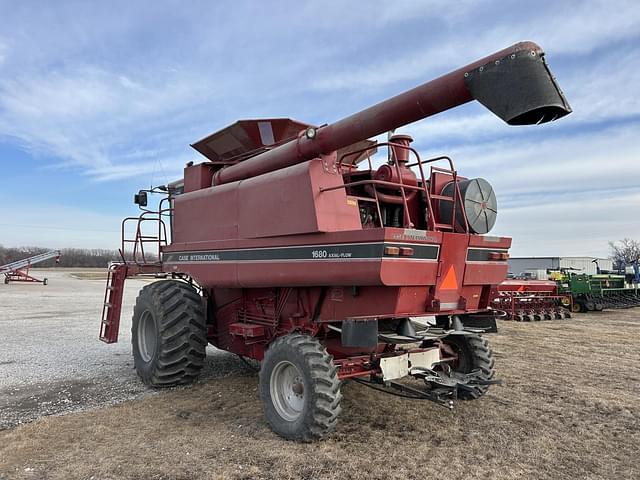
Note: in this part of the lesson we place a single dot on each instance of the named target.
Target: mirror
(140, 198)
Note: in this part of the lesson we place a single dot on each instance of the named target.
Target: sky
(99, 99)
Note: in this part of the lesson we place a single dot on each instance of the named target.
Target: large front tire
(168, 334)
(299, 388)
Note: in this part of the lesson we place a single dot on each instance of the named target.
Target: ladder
(110, 323)
(454, 199)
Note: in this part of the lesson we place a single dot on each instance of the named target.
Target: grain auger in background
(18, 271)
(281, 249)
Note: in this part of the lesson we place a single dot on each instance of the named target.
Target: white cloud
(585, 161)
(579, 226)
(159, 171)
(579, 28)
(568, 195)
(64, 99)
(4, 50)
(597, 93)
(73, 227)
(563, 29)
(90, 117)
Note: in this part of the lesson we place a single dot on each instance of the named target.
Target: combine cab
(289, 247)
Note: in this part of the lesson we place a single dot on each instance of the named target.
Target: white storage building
(517, 265)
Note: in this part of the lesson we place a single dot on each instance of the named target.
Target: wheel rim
(147, 340)
(287, 390)
(461, 363)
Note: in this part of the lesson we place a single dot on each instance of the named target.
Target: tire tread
(182, 337)
(326, 396)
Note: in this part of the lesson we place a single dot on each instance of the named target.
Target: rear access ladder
(112, 305)
(135, 261)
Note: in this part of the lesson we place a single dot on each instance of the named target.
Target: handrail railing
(138, 253)
(426, 186)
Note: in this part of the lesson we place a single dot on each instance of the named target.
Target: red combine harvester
(280, 249)
(528, 300)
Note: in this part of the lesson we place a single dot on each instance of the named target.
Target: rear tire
(474, 353)
(168, 334)
(299, 388)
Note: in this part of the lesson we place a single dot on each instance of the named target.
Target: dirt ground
(569, 408)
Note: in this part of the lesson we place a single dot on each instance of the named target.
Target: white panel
(394, 367)
(266, 133)
(582, 264)
(426, 359)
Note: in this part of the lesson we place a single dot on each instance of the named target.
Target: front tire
(474, 353)
(168, 334)
(299, 388)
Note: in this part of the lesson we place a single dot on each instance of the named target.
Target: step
(442, 197)
(444, 225)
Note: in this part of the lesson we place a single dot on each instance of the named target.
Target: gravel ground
(51, 360)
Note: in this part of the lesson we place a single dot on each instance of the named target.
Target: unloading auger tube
(514, 83)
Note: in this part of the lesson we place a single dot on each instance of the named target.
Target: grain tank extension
(288, 247)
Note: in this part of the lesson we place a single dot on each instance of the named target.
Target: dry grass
(90, 274)
(569, 408)
(98, 274)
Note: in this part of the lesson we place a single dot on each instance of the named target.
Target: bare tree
(71, 257)
(625, 251)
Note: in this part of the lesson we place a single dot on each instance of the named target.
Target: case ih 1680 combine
(279, 248)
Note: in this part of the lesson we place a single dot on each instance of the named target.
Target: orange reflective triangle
(520, 288)
(450, 281)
